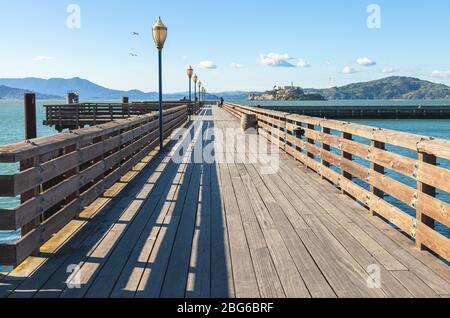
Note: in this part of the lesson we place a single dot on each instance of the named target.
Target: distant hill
(86, 89)
(16, 93)
(92, 91)
(395, 87)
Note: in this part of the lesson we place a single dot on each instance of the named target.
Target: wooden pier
(369, 111)
(75, 116)
(106, 214)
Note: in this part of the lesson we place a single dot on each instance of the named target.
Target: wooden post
(30, 133)
(426, 189)
(376, 168)
(348, 156)
(311, 141)
(325, 147)
(77, 114)
(30, 116)
(60, 119)
(125, 108)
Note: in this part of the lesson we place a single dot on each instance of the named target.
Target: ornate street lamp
(200, 93)
(190, 72)
(159, 32)
(195, 78)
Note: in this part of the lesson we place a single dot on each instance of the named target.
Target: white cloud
(440, 74)
(184, 57)
(42, 58)
(276, 60)
(303, 64)
(237, 66)
(364, 61)
(210, 65)
(348, 70)
(388, 70)
(328, 62)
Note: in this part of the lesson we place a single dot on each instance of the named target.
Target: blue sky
(253, 44)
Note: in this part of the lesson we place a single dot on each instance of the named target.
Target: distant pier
(74, 116)
(368, 111)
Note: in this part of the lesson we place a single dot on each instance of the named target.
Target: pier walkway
(193, 228)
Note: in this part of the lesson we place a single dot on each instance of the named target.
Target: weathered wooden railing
(74, 116)
(62, 174)
(365, 169)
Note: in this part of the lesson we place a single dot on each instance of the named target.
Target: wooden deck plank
(265, 270)
(199, 275)
(222, 282)
(245, 282)
(176, 276)
(151, 283)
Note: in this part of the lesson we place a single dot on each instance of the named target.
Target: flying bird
(135, 33)
(133, 54)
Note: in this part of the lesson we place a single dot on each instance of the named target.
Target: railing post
(311, 142)
(60, 120)
(30, 116)
(377, 169)
(30, 133)
(425, 189)
(125, 107)
(348, 156)
(325, 147)
(77, 112)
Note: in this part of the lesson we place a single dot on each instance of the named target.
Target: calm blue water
(274, 104)
(11, 127)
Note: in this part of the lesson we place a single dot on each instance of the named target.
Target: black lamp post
(195, 78)
(159, 32)
(190, 72)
